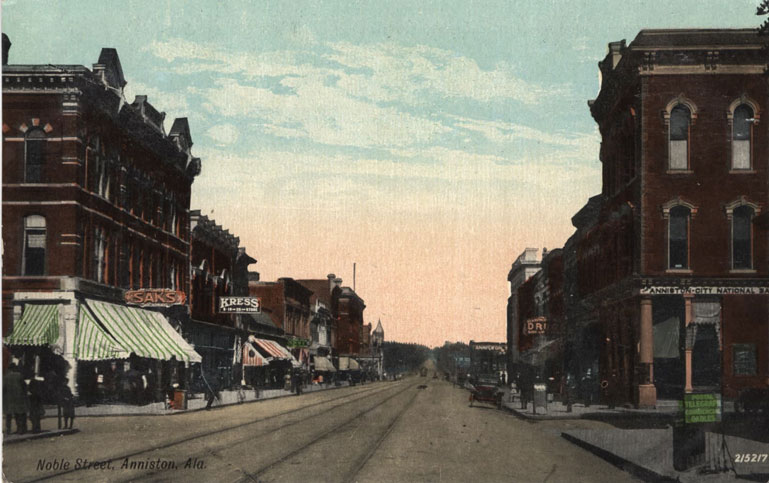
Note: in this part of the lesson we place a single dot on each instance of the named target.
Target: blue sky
(429, 141)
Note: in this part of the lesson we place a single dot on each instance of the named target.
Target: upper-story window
(34, 156)
(678, 155)
(33, 258)
(742, 137)
(742, 238)
(99, 264)
(678, 237)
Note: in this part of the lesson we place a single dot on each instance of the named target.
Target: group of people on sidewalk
(24, 399)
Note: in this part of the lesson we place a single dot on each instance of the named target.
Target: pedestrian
(14, 400)
(213, 391)
(65, 404)
(35, 389)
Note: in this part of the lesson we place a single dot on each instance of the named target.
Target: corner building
(95, 203)
(676, 265)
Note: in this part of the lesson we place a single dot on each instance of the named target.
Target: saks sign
(239, 305)
(702, 290)
(157, 296)
(537, 325)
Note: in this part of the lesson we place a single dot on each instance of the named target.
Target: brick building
(526, 265)
(219, 268)
(95, 203)
(675, 267)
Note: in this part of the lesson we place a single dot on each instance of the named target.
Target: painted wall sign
(536, 325)
(155, 296)
(703, 290)
(240, 305)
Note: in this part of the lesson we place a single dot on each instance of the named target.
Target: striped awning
(93, 343)
(275, 350)
(143, 332)
(324, 364)
(251, 356)
(39, 325)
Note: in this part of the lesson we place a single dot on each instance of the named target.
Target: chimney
(6, 48)
(615, 50)
(331, 278)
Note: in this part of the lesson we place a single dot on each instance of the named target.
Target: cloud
(321, 113)
(174, 104)
(223, 134)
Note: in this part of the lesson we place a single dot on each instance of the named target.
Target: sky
(427, 142)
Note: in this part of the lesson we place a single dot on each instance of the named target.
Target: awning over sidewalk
(324, 364)
(275, 350)
(143, 332)
(251, 356)
(39, 325)
(347, 363)
(93, 343)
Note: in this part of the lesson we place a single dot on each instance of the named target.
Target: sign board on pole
(701, 408)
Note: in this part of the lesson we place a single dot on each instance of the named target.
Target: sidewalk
(648, 454)
(17, 438)
(665, 411)
(228, 398)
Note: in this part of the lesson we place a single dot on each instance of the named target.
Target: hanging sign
(240, 305)
(537, 325)
(155, 297)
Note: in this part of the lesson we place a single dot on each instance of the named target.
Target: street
(416, 429)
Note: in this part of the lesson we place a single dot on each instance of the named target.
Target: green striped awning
(93, 343)
(143, 332)
(39, 325)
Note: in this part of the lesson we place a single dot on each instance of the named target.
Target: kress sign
(239, 305)
(160, 297)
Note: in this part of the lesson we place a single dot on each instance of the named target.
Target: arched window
(742, 238)
(742, 135)
(678, 155)
(678, 237)
(34, 246)
(34, 156)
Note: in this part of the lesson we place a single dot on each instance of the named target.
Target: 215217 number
(750, 457)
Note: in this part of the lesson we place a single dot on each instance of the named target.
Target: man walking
(14, 400)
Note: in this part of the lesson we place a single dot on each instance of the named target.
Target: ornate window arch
(679, 115)
(742, 115)
(740, 214)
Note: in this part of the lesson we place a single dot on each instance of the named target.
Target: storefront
(103, 351)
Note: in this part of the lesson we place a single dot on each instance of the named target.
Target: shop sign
(499, 347)
(701, 408)
(537, 325)
(155, 296)
(240, 305)
(702, 290)
(296, 342)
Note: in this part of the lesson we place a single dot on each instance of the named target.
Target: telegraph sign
(240, 305)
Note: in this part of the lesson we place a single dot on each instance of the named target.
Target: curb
(624, 464)
(40, 435)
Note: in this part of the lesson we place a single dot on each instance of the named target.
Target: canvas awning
(93, 343)
(275, 350)
(143, 332)
(324, 364)
(251, 356)
(347, 363)
(39, 325)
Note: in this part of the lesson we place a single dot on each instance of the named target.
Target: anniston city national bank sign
(702, 290)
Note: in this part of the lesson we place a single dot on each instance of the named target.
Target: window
(678, 238)
(33, 258)
(34, 156)
(744, 363)
(99, 265)
(679, 138)
(742, 133)
(742, 238)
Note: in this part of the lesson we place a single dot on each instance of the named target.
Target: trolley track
(350, 398)
(256, 475)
